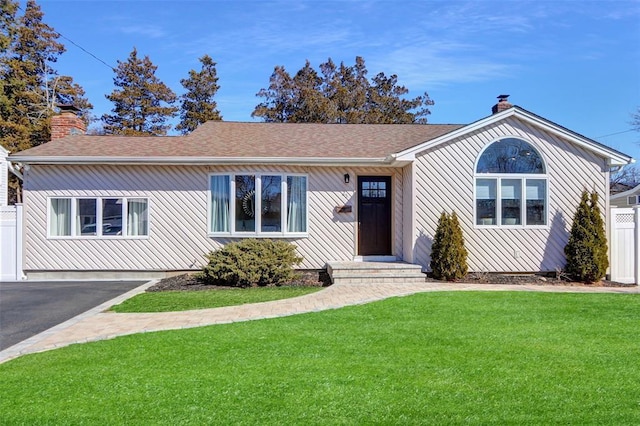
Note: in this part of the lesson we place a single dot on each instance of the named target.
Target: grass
(170, 301)
(433, 358)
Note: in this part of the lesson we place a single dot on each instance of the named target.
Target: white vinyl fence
(11, 243)
(625, 245)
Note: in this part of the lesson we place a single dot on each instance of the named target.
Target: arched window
(510, 185)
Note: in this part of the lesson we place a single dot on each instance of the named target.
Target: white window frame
(523, 177)
(75, 232)
(632, 200)
(498, 177)
(258, 233)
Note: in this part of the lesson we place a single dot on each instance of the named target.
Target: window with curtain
(137, 218)
(219, 187)
(511, 185)
(296, 204)
(98, 217)
(60, 217)
(265, 204)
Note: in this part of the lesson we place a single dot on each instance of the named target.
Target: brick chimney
(502, 104)
(67, 123)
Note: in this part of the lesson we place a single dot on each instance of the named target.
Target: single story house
(629, 198)
(141, 206)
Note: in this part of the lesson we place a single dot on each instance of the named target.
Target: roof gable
(615, 158)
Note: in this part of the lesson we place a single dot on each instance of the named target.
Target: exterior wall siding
(178, 219)
(445, 178)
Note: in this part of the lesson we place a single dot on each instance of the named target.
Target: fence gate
(625, 245)
(10, 243)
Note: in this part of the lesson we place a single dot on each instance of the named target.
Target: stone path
(97, 324)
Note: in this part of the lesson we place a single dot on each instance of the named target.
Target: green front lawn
(171, 301)
(432, 358)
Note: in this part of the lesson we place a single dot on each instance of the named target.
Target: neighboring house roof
(621, 195)
(287, 143)
(222, 141)
(619, 187)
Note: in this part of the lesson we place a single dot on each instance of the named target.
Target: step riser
(374, 273)
(361, 274)
(365, 281)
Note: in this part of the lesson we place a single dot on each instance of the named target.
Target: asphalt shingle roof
(222, 139)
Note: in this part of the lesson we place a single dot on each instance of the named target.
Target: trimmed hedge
(251, 262)
(448, 254)
(586, 250)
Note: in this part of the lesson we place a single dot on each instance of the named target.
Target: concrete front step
(374, 272)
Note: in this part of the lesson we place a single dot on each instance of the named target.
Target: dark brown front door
(374, 215)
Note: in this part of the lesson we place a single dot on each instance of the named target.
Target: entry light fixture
(346, 178)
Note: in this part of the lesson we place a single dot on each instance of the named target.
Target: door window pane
(271, 204)
(486, 201)
(511, 199)
(245, 203)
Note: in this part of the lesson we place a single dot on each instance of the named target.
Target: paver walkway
(97, 324)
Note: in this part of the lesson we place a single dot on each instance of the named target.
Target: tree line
(31, 88)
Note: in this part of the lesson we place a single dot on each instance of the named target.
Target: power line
(617, 133)
(87, 52)
(77, 45)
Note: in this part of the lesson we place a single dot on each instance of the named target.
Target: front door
(374, 215)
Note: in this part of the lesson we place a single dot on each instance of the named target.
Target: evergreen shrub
(586, 250)
(251, 262)
(448, 254)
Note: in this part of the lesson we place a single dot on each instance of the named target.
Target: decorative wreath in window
(249, 203)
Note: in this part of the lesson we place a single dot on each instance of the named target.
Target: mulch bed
(533, 279)
(320, 278)
(188, 282)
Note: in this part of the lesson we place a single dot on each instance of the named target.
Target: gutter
(15, 170)
(388, 161)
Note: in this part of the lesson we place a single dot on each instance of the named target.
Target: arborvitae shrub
(448, 255)
(586, 251)
(251, 262)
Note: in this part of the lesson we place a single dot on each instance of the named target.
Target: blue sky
(576, 63)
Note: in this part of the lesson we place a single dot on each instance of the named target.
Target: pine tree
(339, 94)
(601, 249)
(278, 106)
(197, 105)
(30, 87)
(448, 254)
(586, 251)
(142, 103)
(308, 103)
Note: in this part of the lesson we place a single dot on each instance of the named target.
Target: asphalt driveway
(28, 308)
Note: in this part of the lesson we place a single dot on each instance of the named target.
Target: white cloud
(151, 31)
